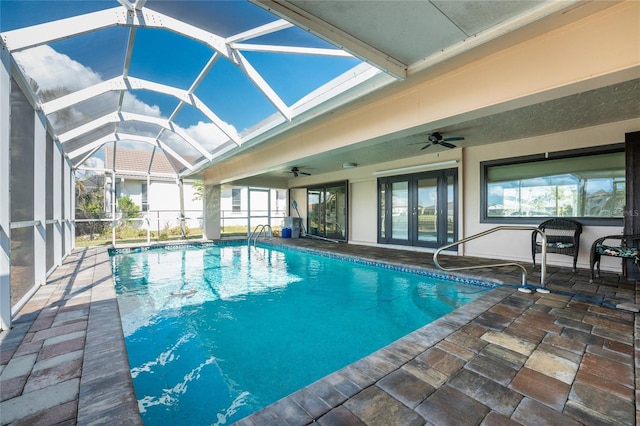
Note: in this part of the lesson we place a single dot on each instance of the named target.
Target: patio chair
(563, 237)
(624, 250)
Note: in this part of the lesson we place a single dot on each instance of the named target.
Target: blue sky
(171, 59)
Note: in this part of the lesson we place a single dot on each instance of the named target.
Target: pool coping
(410, 345)
(80, 298)
(309, 404)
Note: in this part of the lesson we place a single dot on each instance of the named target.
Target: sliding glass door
(418, 209)
(327, 211)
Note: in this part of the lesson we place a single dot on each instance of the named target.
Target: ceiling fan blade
(426, 146)
(304, 173)
(447, 144)
(454, 138)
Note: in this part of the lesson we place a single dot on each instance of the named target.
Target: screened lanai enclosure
(105, 100)
(162, 119)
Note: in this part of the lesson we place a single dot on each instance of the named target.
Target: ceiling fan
(296, 172)
(436, 138)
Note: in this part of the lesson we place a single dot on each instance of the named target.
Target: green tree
(90, 206)
(128, 208)
(198, 188)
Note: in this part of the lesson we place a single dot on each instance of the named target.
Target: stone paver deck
(64, 360)
(569, 357)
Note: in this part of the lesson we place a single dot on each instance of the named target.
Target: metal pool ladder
(523, 288)
(260, 231)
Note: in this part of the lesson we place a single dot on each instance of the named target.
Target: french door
(419, 209)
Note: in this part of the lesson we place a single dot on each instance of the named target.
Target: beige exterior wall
(363, 212)
(503, 245)
(557, 64)
(597, 51)
(516, 245)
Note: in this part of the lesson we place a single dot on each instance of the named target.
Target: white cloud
(94, 162)
(132, 104)
(209, 135)
(51, 69)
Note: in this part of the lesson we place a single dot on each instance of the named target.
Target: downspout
(182, 218)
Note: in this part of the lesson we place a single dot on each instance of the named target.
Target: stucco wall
(504, 245)
(363, 209)
(556, 64)
(515, 245)
(166, 196)
(553, 65)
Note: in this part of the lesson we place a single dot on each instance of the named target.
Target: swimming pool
(215, 333)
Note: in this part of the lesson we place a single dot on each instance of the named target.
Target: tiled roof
(136, 160)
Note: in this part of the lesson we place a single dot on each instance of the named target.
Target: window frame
(144, 197)
(323, 187)
(236, 200)
(557, 155)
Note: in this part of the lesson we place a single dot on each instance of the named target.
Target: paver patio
(569, 357)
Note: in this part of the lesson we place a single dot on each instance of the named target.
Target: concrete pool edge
(556, 326)
(494, 293)
(106, 387)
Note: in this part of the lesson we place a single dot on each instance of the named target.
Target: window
(236, 200)
(580, 184)
(145, 202)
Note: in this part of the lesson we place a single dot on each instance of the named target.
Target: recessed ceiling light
(349, 165)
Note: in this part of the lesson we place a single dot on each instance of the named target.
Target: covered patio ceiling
(199, 82)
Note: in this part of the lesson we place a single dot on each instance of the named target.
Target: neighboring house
(159, 196)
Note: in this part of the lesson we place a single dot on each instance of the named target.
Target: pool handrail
(523, 288)
(262, 232)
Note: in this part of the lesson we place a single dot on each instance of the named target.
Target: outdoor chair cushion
(627, 249)
(631, 252)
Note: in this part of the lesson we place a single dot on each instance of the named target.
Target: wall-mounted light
(416, 168)
(349, 165)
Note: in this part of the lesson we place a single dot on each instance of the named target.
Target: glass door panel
(451, 209)
(335, 212)
(327, 214)
(315, 213)
(427, 210)
(418, 209)
(382, 211)
(400, 210)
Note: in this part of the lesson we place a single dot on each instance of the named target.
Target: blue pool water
(216, 333)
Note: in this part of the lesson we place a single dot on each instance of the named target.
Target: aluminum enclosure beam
(5, 178)
(322, 29)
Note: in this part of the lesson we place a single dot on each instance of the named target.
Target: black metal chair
(563, 237)
(624, 250)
